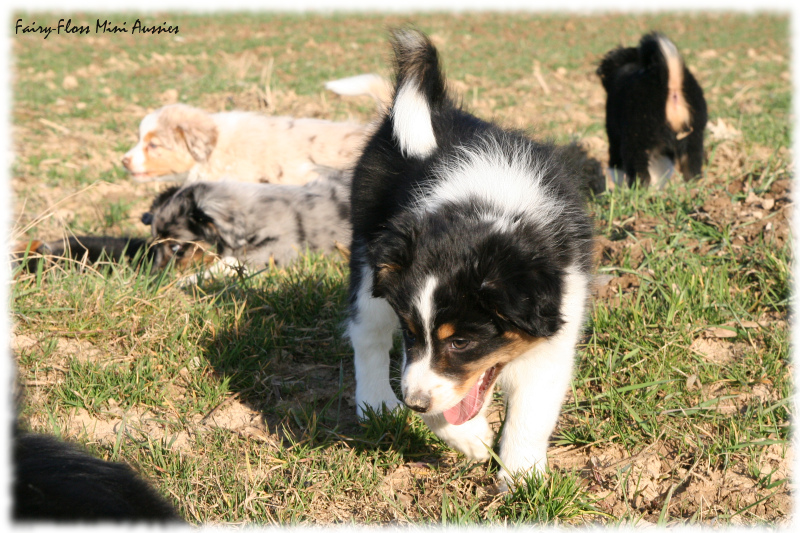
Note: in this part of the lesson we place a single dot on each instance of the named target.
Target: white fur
(411, 121)
(225, 266)
(473, 438)
(507, 186)
(136, 154)
(371, 332)
(426, 307)
(661, 169)
(372, 85)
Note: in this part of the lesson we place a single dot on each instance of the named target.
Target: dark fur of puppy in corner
(56, 481)
(655, 113)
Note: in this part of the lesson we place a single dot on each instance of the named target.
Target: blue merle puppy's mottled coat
(256, 224)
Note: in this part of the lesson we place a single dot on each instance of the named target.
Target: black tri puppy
(475, 242)
(655, 113)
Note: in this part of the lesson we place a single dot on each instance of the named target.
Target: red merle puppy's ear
(191, 127)
(521, 287)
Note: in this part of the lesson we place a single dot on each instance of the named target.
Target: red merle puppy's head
(470, 299)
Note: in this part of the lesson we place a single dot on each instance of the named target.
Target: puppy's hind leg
(691, 163)
(371, 327)
(661, 168)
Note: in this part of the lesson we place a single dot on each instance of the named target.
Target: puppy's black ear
(390, 252)
(200, 213)
(521, 287)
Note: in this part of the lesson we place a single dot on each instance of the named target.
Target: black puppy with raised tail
(655, 113)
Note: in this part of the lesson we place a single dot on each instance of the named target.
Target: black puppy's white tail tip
(411, 110)
(411, 121)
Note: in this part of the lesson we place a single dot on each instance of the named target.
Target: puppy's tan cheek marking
(196, 255)
(162, 162)
(445, 330)
(519, 343)
(168, 163)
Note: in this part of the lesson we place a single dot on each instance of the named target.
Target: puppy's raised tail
(419, 92)
(656, 49)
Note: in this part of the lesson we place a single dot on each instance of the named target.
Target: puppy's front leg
(535, 385)
(371, 327)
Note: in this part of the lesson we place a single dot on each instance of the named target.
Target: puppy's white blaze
(148, 124)
(419, 376)
(426, 309)
(677, 109)
(136, 154)
(510, 185)
(411, 121)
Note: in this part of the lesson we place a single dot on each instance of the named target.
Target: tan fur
(242, 146)
(411, 328)
(168, 158)
(445, 330)
(678, 112)
(32, 247)
(518, 345)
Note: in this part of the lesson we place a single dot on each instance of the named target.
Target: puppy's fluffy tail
(419, 93)
(659, 52)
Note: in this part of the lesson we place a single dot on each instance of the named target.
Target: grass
(235, 398)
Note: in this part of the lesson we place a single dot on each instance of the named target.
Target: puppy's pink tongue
(467, 408)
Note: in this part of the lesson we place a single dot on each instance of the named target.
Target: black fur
(57, 481)
(635, 80)
(89, 248)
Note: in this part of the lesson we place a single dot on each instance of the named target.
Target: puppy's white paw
(518, 465)
(473, 438)
(376, 399)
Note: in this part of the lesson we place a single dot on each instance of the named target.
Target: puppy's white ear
(189, 126)
(200, 138)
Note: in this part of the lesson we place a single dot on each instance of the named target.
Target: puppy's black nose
(418, 401)
(147, 218)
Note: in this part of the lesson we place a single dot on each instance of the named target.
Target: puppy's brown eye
(459, 344)
(152, 146)
(409, 338)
